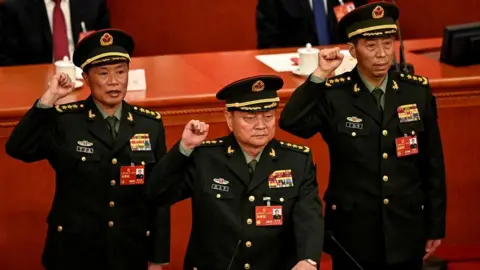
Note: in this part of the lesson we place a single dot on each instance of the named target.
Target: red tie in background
(60, 40)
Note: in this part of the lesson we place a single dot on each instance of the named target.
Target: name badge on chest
(132, 175)
(140, 142)
(268, 215)
(406, 146)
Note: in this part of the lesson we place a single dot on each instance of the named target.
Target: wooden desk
(183, 87)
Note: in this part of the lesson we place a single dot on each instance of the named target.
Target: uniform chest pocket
(218, 189)
(353, 129)
(411, 128)
(142, 158)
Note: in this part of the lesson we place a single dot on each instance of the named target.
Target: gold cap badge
(258, 86)
(106, 40)
(378, 12)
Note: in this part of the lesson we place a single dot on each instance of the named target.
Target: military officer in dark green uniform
(101, 149)
(386, 197)
(239, 182)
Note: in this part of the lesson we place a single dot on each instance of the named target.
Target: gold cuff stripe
(90, 60)
(372, 28)
(258, 101)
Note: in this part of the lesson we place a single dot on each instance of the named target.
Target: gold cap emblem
(106, 40)
(378, 12)
(258, 86)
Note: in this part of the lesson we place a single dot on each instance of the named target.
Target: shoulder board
(295, 147)
(339, 80)
(415, 79)
(147, 112)
(212, 142)
(70, 107)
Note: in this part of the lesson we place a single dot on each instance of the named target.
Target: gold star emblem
(230, 150)
(409, 76)
(69, 106)
(75, 106)
(142, 109)
(415, 78)
(337, 80)
(342, 79)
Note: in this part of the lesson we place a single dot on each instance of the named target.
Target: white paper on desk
(136, 80)
(283, 63)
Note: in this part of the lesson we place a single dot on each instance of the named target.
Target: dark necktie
(378, 93)
(112, 120)
(60, 39)
(251, 167)
(321, 22)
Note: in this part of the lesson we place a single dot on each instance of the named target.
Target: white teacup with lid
(308, 59)
(66, 66)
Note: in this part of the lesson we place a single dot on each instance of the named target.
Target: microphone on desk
(329, 234)
(403, 66)
(234, 254)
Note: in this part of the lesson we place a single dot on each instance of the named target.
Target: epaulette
(147, 112)
(70, 107)
(337, 81)
(295, 147)
(212, 142)
(415, 79)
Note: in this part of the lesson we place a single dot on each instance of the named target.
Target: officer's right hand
(60, 86)
(194, 133)
(328, 61)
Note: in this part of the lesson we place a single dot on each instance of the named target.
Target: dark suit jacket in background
(26, 37)
(291, 23)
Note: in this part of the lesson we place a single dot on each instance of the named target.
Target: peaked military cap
(252, 94)
(103, 47)
(371, 20)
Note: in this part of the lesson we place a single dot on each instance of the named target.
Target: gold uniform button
(385, 201)
(84, 158)
(385, 155)
(385, 132)
(385, 178)
(249, 221)
(112, 183)
(111, 204)
(110, 224)
(423, 206)
(413, 132)
(114, 161)
(282, 199)
(219, 196)
(251, 198)
(147, 233)
(143, 163)
(334, 207)
(247, 266)
(59, 228)
(354, 134)
(248, 244)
